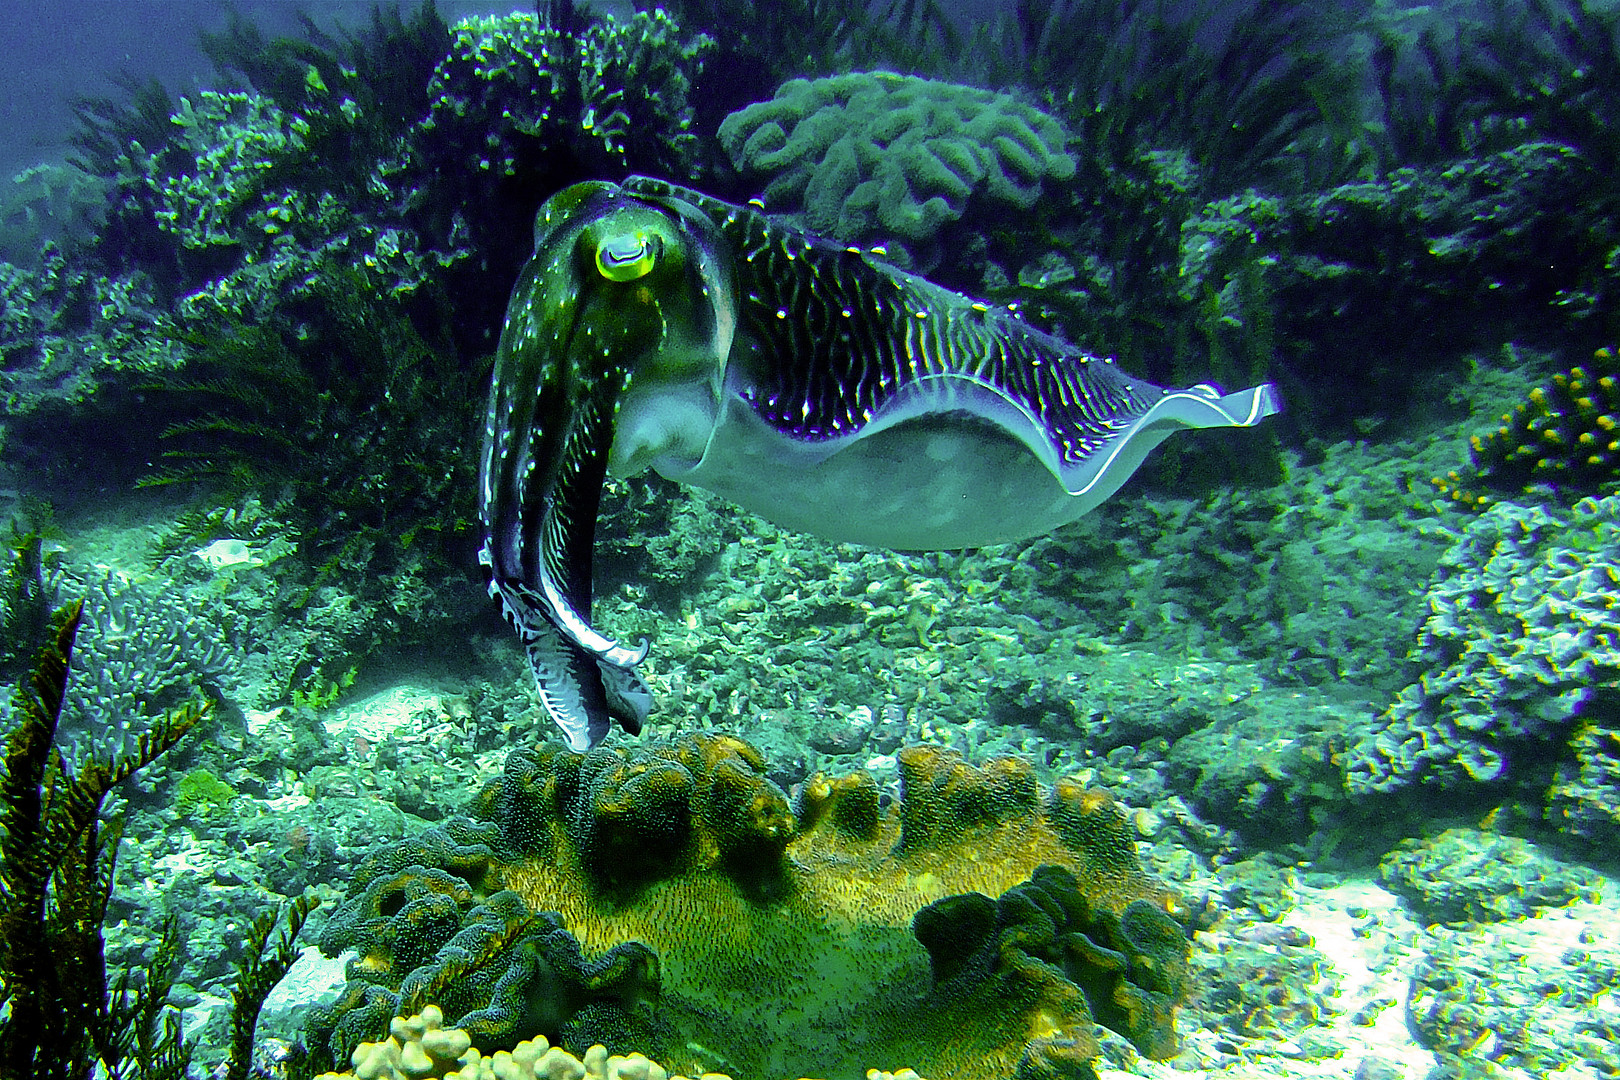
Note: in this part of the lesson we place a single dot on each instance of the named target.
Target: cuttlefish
(809, 382)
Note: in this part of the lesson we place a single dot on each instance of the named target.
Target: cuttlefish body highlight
(811, 383)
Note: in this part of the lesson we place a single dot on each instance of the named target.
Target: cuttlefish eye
(626, 257)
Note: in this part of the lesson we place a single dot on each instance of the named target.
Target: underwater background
(1298, 757)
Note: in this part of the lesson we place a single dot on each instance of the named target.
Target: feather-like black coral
(257, 973)
(60, 1020)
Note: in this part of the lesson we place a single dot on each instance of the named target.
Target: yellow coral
(980, 924)
(417, 1049)
(1561, 438)
(817, 924)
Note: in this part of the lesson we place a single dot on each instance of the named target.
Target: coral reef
(48, 204)
(141, 652)
(676, 901)
(1521, 642)
(1266, 766)
(1564, 441)
(760, 46)
(1584, 799)
(1462, 83)
(873, 155)
(1487, 1004)
(1261, 980)
(66, 333)
(1410, 255)
(512, 88)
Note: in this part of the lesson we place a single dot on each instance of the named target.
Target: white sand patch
(1373, 953)
(1371, 947)
(391, 712)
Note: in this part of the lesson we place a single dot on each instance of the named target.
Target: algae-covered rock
(1530, 999)
(1466, 875)
(1584, 800)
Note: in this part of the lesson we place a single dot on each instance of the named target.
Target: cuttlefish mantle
(813, 384)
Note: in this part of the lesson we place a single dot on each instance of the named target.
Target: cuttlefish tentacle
(591, 305)
(811, 383)
(546, 443)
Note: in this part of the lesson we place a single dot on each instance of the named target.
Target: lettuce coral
(678, 902)
(876, 154)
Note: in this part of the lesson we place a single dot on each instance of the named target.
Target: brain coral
(677, 903)
(1522, 638)
(875, 154)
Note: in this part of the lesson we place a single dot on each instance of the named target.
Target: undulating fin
(809, 382)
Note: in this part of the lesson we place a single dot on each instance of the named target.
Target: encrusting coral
(677, 902)
(873, 153)
(420, 1047)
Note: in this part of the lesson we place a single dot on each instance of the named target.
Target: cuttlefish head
(611, 359)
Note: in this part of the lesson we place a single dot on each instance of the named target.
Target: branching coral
(1563, 441)
(141, 652)
(687, 908)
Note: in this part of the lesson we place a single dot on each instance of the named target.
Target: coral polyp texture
(1564, 438)
(676, 902)
(513, 88)
(873, 154)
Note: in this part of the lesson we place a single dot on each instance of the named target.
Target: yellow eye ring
(626, 257)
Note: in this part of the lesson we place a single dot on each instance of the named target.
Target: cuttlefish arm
(588, 305)
(811, 383)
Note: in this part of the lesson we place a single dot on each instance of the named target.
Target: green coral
(200, 793)
(234, 141)
(65, 333)
(873, 154)
(512, 88)
(1523, 635)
